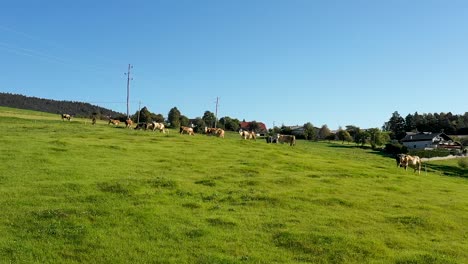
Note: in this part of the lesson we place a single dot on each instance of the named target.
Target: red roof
(246, 126)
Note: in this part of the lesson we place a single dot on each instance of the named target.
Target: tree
(199, 125)
(174, 117)
(157, 118)
(344, 135)
(377, 138)
(396, 125)
(353, 130)
(184, 121)
(362, 137)
(254, 126)
(145, 115)
(330, 137)
(309, 131)
(209, 118)
(324, 132)
(286, 130)
(410, 123)
(229, 123)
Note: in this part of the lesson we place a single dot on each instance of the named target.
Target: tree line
(77, 109)
(448, 123)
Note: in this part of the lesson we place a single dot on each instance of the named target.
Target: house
(429, 140)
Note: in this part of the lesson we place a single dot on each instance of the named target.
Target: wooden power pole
(128, 89)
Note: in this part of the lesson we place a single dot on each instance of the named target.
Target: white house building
(428, 140)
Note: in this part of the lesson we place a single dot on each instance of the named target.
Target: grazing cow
(128, 123)
(248, 135)
(158, 126)
(220, 133)
(214, 131)
(186, 130)
(210, 130)
(412, 161)
(66, 116)
(115, 122)
(286, 138)
(399, 159)
(141, 126)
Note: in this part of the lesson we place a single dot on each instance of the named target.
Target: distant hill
(78, 109)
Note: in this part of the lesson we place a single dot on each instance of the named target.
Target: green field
(71, 192)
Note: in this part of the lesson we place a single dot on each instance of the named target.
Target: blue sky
(331, 62)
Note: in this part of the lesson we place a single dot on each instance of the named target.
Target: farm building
(429, 140)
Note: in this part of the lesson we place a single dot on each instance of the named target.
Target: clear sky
(333, 62)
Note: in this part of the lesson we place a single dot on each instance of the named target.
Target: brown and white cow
(128, 123)
(399, 159)
(66, 116)
(220, 133)
(115, 122)
(290, 139)
(412, 161)
(248, 135)
(214, 131)
(186, 130)
(158, 126)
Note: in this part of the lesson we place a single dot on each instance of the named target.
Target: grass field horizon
(72, 192)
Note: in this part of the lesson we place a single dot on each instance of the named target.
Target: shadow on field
(353, 146)
(448, 170)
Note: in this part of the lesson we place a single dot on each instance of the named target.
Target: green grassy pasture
(71, 192)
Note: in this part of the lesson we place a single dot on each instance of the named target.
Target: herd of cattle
(402, 160)
(218, 132)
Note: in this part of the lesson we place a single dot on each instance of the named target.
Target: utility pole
(139, 109)
(216, 112)
(128, 88)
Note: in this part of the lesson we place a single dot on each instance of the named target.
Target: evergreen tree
(396, 125)
(174, 117)
(209, 118)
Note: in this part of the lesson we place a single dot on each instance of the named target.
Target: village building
(427, 140)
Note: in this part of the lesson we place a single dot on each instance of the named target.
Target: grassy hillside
(72, 192)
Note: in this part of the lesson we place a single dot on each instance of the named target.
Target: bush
(395, 148)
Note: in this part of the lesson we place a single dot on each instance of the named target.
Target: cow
(412, 161)
(66, 116)
(247, 135)
(214, 131)
(158, 126)
(141, 126)
(399, 159)
(93, 121)
(128, 123)
(186, 130)
(291, 139)
(220, 133)
(210, 130)
(115, 122)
